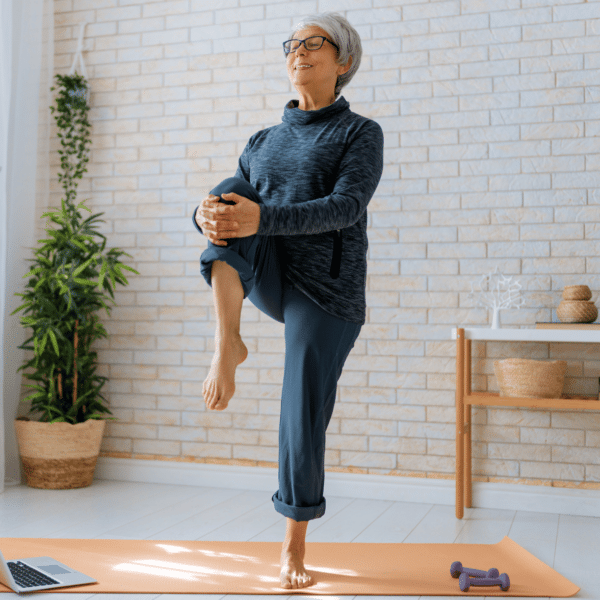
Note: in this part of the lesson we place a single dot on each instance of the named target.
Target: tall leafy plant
(64, 291)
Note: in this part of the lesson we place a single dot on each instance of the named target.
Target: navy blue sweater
(316, 173)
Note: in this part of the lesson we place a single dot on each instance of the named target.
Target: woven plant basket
(525, 378)
(59, 456)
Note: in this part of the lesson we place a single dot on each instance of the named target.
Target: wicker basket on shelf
(577, 292)
(525, 378)
(576, 306)
(577, 311)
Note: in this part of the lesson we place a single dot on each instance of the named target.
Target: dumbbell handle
(485, 581)
(474, 572)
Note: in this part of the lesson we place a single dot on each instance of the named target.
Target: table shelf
(494, 399)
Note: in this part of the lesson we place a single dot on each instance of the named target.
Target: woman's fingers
(214, 237)
(215, 229)
(214, 232)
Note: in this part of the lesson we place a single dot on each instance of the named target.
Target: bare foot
(219, 386)
(293, 574)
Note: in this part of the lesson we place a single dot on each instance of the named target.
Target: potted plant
(63, 295)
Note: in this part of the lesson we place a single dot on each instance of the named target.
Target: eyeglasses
(312, 43)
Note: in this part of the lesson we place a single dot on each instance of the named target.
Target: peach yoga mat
(198, 567)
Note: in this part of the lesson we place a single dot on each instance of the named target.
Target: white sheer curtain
(26, 76)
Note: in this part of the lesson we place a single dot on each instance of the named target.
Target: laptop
(40, 573)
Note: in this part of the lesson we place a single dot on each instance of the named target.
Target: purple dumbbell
(456, 569)
(465, 582)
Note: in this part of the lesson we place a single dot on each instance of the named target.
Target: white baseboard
(503, 496)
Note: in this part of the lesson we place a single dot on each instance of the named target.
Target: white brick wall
(491, 122)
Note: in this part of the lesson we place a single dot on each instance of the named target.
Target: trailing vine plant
(64, 292)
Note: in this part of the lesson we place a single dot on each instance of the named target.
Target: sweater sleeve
(243, 170)
(358, 176)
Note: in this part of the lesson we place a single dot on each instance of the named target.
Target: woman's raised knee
(237, 186)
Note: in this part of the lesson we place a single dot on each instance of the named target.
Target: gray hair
(344, 35)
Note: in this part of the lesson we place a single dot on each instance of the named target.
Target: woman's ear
(346, 67)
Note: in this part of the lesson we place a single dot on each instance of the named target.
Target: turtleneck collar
(294, 116)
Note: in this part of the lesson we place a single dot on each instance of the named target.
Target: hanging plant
(64, 292)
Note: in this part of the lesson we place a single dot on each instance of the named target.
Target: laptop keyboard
(28, 577)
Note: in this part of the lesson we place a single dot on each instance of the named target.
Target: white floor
(115, 509)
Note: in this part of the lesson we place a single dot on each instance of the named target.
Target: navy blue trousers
(316, 347)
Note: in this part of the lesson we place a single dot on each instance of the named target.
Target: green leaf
(20, 307)
(78, 244)
(118, 269)
(82, 267)
(40, 283)
(84, 281)
(33, 396)
(44, 340)
(129, 268)
(102, 273)
(54, 342)
(70, 300)
(35, 387)
(33, 271)
(49, 306)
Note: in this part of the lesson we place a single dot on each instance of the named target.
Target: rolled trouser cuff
(233, 259)
(306, 513)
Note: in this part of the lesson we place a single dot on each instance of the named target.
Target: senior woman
(275, 233)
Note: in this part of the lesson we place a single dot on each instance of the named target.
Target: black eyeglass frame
(286, 52)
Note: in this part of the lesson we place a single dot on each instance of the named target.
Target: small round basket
(577, 292)
(576, 311)
(525, 378)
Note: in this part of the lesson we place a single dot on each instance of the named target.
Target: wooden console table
(465, 398)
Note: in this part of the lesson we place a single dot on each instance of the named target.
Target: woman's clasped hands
(220, 221)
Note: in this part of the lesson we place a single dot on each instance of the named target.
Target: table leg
(459, 476)
(467, 418)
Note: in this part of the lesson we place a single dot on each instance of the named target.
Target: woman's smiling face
(319, 76)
